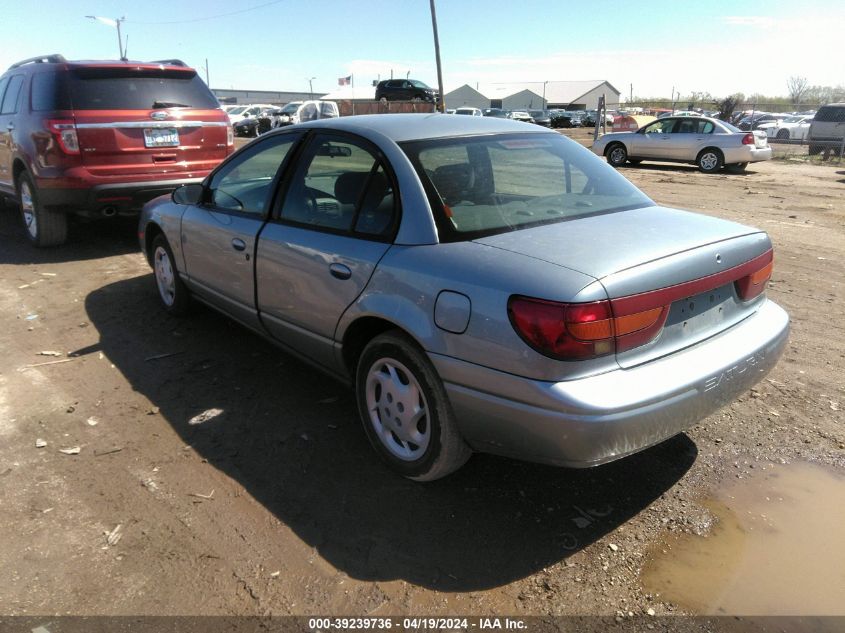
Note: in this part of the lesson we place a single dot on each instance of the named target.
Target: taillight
(65, 132)
(578, 331)
(753, 284)
(230, 135)
(748, 139)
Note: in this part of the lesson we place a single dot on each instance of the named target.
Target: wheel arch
(363, 330)
(151, 231)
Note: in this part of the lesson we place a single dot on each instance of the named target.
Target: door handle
(238, 244)
(340, 271)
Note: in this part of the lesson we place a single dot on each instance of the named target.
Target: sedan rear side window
(485, 185)
(341, 186)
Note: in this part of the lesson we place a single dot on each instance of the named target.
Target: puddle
(778, 548)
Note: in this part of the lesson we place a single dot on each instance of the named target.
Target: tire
(710, 160)
(782, 135)
(737, 167)
(174, 295)
(616, 154)
(44, 227)
(394, 379)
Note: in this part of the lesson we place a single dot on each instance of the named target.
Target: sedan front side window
(245, 185)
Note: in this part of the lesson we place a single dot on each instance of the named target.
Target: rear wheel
(405, 411)
(172, 291)
(617, 155)
(710, 160)
(44, 227)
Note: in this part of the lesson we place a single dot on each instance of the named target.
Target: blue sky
(715, 46)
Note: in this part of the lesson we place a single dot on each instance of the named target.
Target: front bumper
(594, 420)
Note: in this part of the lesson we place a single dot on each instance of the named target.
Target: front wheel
(171, 289)
(710, 160)
(782, 135)
(44, 227)
(617, 155)
(405, 411)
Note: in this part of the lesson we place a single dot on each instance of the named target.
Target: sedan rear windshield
(482, 185)
(132, 89)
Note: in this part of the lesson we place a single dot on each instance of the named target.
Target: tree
(798, 88)
(727, 105)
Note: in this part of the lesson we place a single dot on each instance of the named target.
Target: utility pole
(442, 104)
(207, 82)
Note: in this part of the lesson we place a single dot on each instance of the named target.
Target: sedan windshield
(484, 185)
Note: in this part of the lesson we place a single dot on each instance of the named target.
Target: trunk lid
(651, 257)
(761, 139)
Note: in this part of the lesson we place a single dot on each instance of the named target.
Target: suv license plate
(161, 137)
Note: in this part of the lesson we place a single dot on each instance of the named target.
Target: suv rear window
(131, 89)
(832, 114)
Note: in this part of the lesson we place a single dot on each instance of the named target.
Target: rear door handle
(238, 244)
(340, 271)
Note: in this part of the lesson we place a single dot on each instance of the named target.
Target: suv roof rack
(41, 59)
(170, 62)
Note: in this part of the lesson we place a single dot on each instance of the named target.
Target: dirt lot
(277, 505)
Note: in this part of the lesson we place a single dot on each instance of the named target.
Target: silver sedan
(709, 143)
(481, 284)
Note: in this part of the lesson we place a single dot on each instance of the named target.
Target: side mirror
(188, 194)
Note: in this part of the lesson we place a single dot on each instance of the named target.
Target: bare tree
(728, 105)
(798, 88)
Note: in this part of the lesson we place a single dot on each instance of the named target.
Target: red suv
(101, 138)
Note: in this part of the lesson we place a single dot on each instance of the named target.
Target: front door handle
(238, 244)
(340, 271)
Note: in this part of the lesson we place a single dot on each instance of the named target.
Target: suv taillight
(748, 139)
(579, 331)
(230, 135)
(65, 132)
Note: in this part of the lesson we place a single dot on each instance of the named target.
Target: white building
(567, 95)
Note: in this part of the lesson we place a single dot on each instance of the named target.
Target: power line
(211, 17)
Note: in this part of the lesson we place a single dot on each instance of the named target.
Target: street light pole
(115, 23)
(311, 87)
(442, 105)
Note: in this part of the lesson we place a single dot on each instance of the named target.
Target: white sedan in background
(708, 143)
(791, 128)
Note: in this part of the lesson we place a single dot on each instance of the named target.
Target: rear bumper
(747, 154)
(594, 420)
(123, 198)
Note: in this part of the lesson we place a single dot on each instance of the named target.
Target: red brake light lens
(64, 130)
(748, 139)
(563, 331)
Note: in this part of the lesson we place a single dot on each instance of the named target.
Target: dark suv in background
(405, 90)
(101, 138)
